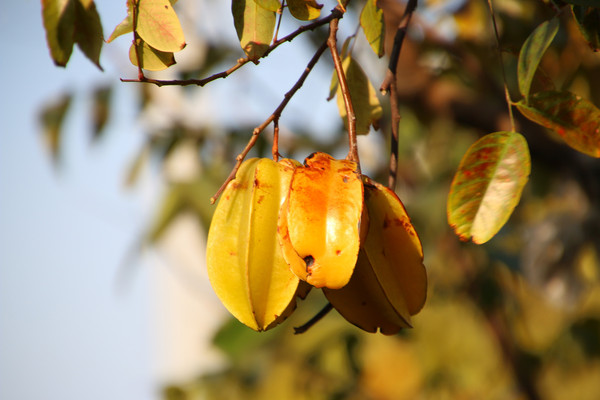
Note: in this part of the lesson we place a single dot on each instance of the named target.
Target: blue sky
(65, 332)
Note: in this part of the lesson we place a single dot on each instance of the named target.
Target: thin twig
(337, 62)
(280, 12)
(275, 149)
(335, 15)
(303, 328)
(506, 93)
(274, 116)
(137, 41)
(389, 85)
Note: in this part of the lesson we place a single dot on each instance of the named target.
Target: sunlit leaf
(125, 26)
(100, 109)
(319, 224)
(575, 119)
(88, 30)
(271, 5)
(364, 98)
(254, 25)
(334, 78)
(588, 20)
(532, 51)
(304, 9)
(371, 20)
(158, 25)
(245, 263)
(488, 185)
(59, 22)
(151, 59)
(52, 118)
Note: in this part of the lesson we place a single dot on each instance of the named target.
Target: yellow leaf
(319, 224)
(159, 26)
(245, 264)
(304, 9)
(151, 59)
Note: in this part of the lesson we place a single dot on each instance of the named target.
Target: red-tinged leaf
(88, 30)
(364, 98)
(59, 22)
(254, 26)
(151, 59)
(158, 25)
(532, 51)
(371, 20)
(588, 20)
(575, 119)
(304, 9)
(488, 185)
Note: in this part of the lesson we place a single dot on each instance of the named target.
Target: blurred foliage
(517, 318)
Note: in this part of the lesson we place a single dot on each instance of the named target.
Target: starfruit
(320, 221)
(389, 282)
(245, 263)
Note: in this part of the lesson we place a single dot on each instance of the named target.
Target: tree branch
(303, 328)
(335, 15)
(273, 117)
(389, 84)
(337, 62)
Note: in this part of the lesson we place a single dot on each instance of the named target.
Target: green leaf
(371, 20)
(88, 30)
(135, 168)
(152, 59)
(364, 98)
(588, 20)
(158, 25)
(170, 207)
(575, 119)
(100, 110)
(532, 51)
(304, 9)
(59, 22)
(51, 118)
(488, 185)
(254, 26)
(334, 79)
(271, 5)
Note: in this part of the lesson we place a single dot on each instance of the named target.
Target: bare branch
(273, 117)
(337, 62)
(335, 15)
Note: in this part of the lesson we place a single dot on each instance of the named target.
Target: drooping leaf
(488, 185)
(171, 205)
(52, 118)
(245, 263)
(151, 59)
(364, 98)
(304, 10)
(575, 119)
(125, 26)
(88, 30)
(319, 223)
(333, 86)
(59, 22)
(135, 168)
(271, 5)
(100, 110)
(254, 26)
(532, 51)
(588, 20)
(371, 20)
(158, 25)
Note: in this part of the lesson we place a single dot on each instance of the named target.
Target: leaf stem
(273, 117)
(137, 41)
(319, 316)
(337, 62)
(506, 92)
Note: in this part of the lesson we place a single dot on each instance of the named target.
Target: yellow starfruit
(319, 223)
(245, 263)
(390, 281)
